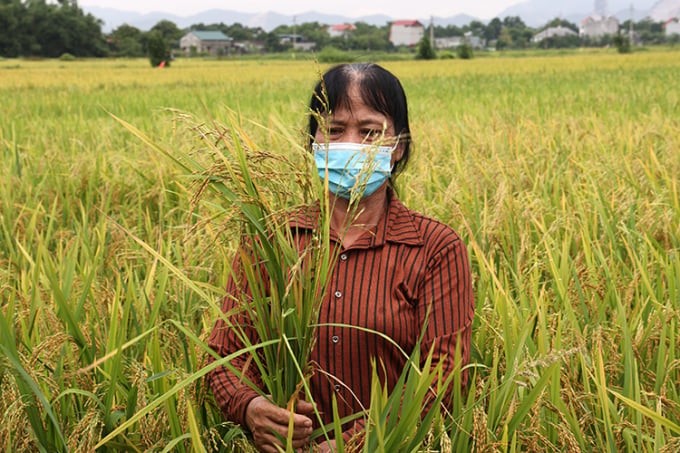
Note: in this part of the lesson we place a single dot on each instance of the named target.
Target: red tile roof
(407, 23)
(343, 27)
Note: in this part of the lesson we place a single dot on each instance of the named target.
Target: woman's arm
(232, 392)
(446, 307)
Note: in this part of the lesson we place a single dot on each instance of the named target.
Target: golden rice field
(562, 174)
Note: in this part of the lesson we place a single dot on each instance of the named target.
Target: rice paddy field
(560, 172)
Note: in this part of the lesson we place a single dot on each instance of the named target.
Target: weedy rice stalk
(286, 285)
(395, 420)
(548, 167)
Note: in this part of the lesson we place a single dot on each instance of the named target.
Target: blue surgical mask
(353, 167)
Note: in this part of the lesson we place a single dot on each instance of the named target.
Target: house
(406, 32)
(598, 26)
(341, 30)
(553, 32)
(297, 42)
(672, 27)
(454, 42)
(209, 42)
(449, 42)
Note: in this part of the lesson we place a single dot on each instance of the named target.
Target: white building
(340, 30)
(598, 26)
(672, 27)
(454, 42)
(553, 32)
(449, 42)
(406, 32)
(210, 42)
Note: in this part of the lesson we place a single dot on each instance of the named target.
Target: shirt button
(337, 387)
(338, 294)
(335, 339)
(343, 257)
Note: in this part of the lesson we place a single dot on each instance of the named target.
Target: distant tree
(314, 32)
(272, 42)
(369, 37)
(169, 31)
(158, 48)
(10, 18)
(475, 27)
(622, 43)
(38, 28)
(561, 42)
(448, 31)
(504, 40)
(465, 52)
(425, 50)
(558, 22)
(648, 31)
(238, 32)
(514, 22)
(127, 41)
(493, 29)
(515, 33)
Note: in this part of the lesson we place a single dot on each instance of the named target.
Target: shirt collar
(398, 225)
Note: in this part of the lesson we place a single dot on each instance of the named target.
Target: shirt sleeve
(232, 393)
(447, 307)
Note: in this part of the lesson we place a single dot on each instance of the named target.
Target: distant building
(406, 32)
(672, 27)
(297, 41)
(210, 42)
(449, 42)
(244, 47)
(598, 26)
(304, 46)
(454, 42)
(553, 32)
(341, 30)
(290, 39)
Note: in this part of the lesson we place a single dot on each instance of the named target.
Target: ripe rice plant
(560, 173)
(285, 283)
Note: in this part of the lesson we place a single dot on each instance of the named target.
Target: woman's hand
(264, 419)
(327, 446)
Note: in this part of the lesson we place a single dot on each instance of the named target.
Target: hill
(536, 13)
(113, 18)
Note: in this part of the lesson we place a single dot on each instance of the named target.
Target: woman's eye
(371, 134)
(335, 131)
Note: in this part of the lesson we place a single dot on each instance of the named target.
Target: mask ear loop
(396, 143)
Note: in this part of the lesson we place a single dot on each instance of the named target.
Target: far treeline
(35, 28)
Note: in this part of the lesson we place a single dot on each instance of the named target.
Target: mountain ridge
(534, 13)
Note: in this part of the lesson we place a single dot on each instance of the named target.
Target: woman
(395, 268)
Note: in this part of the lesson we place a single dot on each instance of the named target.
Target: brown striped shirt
(386, 282)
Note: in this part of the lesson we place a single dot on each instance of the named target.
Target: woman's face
(359, 124)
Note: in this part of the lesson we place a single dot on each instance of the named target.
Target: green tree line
(36, 28)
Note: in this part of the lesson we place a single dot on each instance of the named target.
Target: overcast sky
(397, 9)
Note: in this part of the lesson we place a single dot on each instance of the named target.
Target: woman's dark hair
(379, 89)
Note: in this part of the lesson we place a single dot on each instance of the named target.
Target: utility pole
(294, 34)
(432, 32)
(630, 26)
